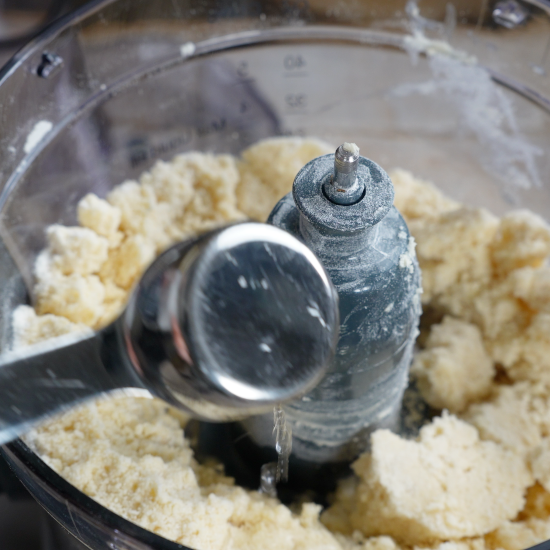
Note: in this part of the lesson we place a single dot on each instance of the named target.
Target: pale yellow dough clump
(454, 369)
(447, 485)
(478, 482)
(516, 416)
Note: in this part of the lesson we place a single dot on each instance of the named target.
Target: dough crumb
(454, 369)
(29, 328)
(99, 216)
(533, 287)
(127, 262)
(453, 253)
(75, 297)
(527, 355)
(76, 250)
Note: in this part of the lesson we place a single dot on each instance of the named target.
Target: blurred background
(20, 20)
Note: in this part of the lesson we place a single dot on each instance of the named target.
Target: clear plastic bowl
(103, 94)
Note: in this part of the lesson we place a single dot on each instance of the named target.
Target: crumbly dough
(76, 250)
(268, 169)
(454, 369)
(486, 271)
(522, 240)
(101, 217)
(455, 259)
(76, 297)
(129, 454)
(28, 328)
(446, 485)
(418, 199)
(476, 482)
(516, 416)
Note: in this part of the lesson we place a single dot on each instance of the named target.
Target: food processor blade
(220, 326)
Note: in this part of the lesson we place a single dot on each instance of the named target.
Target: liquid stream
(283, 442)
(273, 472)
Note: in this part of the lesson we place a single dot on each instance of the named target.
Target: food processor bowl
(457, 93)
